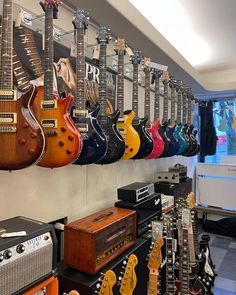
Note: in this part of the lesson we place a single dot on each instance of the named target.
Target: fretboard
(184, 264)
(170, 279)
(179, 105)
(172, 108)
(153, 282)
(157, 99)
(192, 257)
(195, 233)
(147, 94)
(21, 77)
(135, 89)
(120, 82)
(48, 54)
(80, 71)
(189, 101)
(6, 79)
(165, 104)
(103, 78)
(184, 106)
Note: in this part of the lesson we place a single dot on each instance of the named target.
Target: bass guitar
(130, 135)
(129, 280)
(139, 125)
(63, 141)
(22, 139)
(85, 119)
(108, 123)
(152, 131)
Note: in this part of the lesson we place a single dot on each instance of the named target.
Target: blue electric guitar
(94, 141)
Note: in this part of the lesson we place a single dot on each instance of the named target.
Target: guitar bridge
(80, 113)
(49, 123)
(8, 118)
(49, 104)
(8, 95)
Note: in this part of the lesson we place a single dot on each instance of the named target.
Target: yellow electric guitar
(130, 135)
(108, 282)
(129, 280)
(154, 263)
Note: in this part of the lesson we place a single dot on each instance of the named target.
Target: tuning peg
(120, 278)
(124, 262)
(98, 285)
(102, 274)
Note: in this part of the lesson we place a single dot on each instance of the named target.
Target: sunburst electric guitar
(63, 140)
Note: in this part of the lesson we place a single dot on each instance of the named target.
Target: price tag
(96, 53)
(57, 34)
(19, 18)
(127, 71)
(157, 229)
(73, 50)
(114, 64)
(155, 65)
(129, 51)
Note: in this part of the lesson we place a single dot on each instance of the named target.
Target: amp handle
(102, 216)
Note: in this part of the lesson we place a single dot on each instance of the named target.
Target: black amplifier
(178, 190)
(26, 260)
(135, 192)
(147, 210)
(71, 279)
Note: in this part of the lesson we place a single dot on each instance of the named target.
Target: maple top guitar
(22, 139)
(154, 263)
(151, 130)
(129, 280)
(146, 142)
(163, 127)
(172, 124)
(178, 133)
(130, 135)
(108, 282)
(116, 144)
(63, 141)
(85, 119)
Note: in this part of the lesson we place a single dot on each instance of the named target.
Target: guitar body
(131, 137)
(178, 289)
(22, 143)
(63, 141)
(174, 148)
(167, 143)
(183, 143)
(115, 142)
(146, 145)
(94, 141)
(159, 145)
(194, 146)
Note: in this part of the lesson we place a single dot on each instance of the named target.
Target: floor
(223, 252)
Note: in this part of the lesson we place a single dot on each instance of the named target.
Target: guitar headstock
(190, 200)
(186, 217)
(172, 82)
(120, 46)
(168, 225)
(129, 279)
(104, 35)
(136, 58)
(155, 258)
(147, 67)
(178, 85)
(81, 19)
(156, 75)
(108, 282)
(50, 5)
(165, 77)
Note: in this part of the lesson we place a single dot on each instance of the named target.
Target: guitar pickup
(80, 113)
(8, 95)
(83, 127)
(49, 104)
(8, 118)
(49, 123)
(7, 129)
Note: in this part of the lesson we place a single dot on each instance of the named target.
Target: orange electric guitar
(129, 280)
(131, 137)
(63, 141)
(154, 263)
(22, 139)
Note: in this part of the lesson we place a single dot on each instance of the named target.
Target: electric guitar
(63, 141)
(130, 135)
(139, 125)
(171, 127)
(154, 263)
(129, 280)
(178, 133)
(108, 123)
(21, 79)
(108, 281)
(21, 137)
(73, 292)
(163, 127)
(94, 141)
(152, 131)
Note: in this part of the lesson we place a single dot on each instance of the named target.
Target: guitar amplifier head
(27, 259)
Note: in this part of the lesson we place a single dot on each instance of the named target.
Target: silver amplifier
(172, 177)
(25, 260)
(135, 192)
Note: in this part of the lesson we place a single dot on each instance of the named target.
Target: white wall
(74, 191)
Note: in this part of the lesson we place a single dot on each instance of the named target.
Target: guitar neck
(184, 263)
(192, 257)
(179, 105)
(165, 104)
(135, 88)
(6, 70)
(157, 99)
(48, 54)
(153, 282)
(102, 78)
(189, 102)
(172, 109)
(195, 233)
(147, 94)
(184, 107)
(80, 71)
(170, 279)
(120, 82)
(21, 76)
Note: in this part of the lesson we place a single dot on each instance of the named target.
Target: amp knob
(1, 257)
(7, 254)
(20, 248)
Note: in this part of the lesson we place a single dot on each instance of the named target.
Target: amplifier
(92, 242)
(135, 192)
(71, 279)
(170, 176)
(25, 260)
(147, 210)
(181, 169)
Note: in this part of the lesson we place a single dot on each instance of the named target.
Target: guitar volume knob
(68, 152)
(61, 143)
(22, 141)
(33, 135)
(63, 129)
(71, 137)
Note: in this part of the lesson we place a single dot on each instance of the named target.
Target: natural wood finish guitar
(108, 282)
(129, 279)
(63, 141)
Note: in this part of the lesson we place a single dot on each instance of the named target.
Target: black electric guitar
(139, 125)
(116, 144)
(94, 141)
